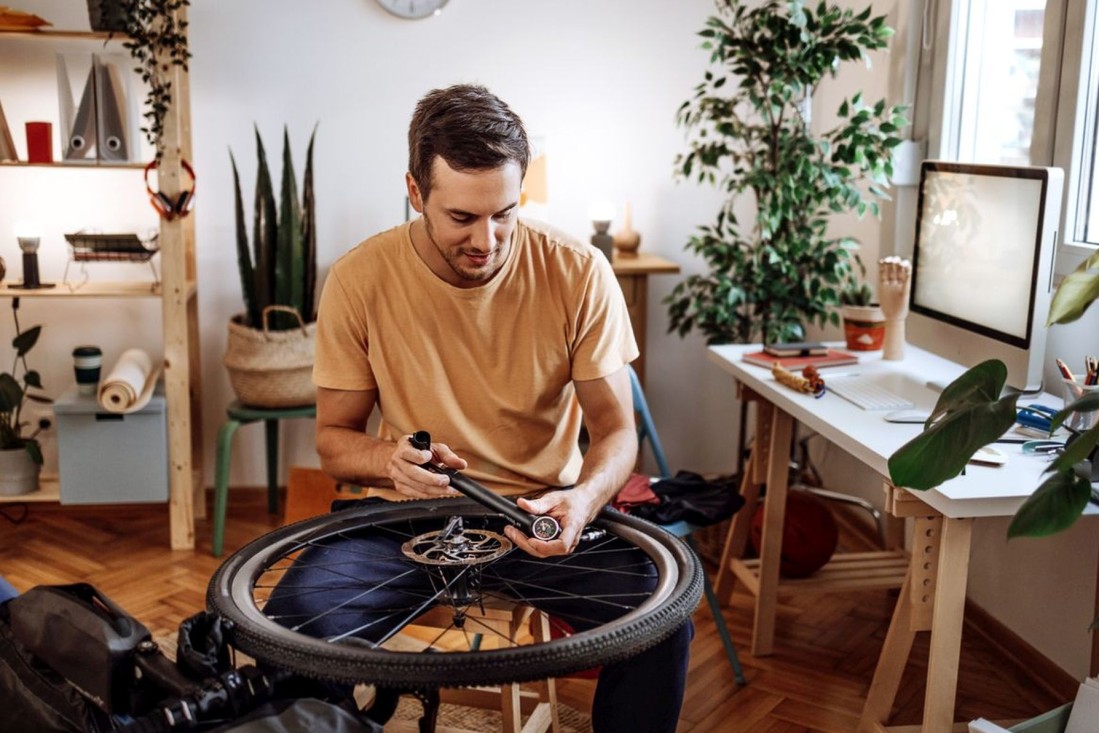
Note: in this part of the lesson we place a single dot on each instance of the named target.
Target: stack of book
(795, 356)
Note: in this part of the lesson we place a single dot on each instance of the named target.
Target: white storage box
(110, 458)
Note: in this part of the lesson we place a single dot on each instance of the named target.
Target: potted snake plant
(270, 349)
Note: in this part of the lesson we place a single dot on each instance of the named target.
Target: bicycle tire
(230, 595)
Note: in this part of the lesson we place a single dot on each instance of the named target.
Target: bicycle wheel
(242, 586)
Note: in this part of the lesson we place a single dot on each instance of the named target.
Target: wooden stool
(502, 622)
(240, 415)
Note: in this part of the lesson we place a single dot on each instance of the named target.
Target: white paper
(1084, 717)
(980, 725)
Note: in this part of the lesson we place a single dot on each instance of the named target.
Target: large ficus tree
(748, 134)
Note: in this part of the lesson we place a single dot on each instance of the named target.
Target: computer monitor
(982, 265)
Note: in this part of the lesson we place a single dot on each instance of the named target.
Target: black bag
(36, 699)
(692, 498)
(83, 636)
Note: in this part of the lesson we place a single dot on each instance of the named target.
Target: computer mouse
(910, 416)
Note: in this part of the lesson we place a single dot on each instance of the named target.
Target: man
(499, 338)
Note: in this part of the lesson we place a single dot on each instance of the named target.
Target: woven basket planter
(271, 368)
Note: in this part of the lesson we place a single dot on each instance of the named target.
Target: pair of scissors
(1039, 417)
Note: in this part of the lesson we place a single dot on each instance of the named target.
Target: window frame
(1061, 136)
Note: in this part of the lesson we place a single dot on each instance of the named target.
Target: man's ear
(414, 196)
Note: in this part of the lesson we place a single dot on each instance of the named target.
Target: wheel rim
(233, 595)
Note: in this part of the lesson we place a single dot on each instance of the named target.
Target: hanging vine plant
(157, 41)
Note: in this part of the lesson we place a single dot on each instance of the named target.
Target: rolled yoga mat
(130, 384)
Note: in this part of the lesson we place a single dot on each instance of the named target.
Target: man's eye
(503, 216)
(458, 218)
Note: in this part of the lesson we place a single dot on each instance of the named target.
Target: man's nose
(483, 237)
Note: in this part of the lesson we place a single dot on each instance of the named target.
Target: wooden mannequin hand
(894, 281)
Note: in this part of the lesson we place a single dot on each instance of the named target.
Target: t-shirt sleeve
(604, 335)
(342, 357)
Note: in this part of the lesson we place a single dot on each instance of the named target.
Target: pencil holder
(1072, 391)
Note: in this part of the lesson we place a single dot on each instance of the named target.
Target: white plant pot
(18, 472)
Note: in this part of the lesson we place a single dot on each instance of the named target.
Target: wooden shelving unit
(177, 291)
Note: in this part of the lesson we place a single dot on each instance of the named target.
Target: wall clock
(413, 9)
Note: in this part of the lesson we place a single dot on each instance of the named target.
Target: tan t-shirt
(486, 370)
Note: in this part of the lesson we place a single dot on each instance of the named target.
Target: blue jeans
(7, 590)
(642, 694)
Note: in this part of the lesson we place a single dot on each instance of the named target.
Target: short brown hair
(469, 127)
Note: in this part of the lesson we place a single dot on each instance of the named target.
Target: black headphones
(163, 203)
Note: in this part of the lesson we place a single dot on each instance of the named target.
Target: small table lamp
(28, 242)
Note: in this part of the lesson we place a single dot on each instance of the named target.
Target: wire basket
(110, 248)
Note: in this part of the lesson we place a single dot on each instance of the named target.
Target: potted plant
(971, 413)
(863, 320)
(749, 134)
(20, 453)
(270, 350)
(157, 40)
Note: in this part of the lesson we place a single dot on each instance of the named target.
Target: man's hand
(411, 479)
(572, 509)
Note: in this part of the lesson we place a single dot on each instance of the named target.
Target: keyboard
(864, 393)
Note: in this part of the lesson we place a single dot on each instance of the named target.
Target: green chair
(240, 415)
(646, 433)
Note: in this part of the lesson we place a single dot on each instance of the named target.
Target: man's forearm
(607, 464)
(353, 456)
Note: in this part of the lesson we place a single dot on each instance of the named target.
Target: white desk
(934, 573)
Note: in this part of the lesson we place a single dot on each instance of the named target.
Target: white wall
(600, 81)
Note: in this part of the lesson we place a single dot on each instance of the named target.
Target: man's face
(469, 218)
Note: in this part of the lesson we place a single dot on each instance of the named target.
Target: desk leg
(946, 625)
(736, 539)
(891, 663)
(774, 516)
(932, 599)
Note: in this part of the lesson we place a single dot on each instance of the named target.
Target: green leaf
(25, 341)
(33, 379)
(1075, 293)
(968, 415)
(11, 394)
(244, 259)
(1053, 507)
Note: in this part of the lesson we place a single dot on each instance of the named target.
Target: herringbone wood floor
(826, 649)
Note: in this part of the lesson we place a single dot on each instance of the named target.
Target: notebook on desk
(831, 358)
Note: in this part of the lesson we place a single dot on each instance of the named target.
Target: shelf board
(63, 35)
(90, 289)
(49, 490)
(90, 165)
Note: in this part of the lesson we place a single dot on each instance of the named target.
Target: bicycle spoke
(369, 608)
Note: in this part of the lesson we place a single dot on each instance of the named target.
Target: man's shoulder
(556, 244)
(372, 250)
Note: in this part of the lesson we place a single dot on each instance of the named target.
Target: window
(1021, 85)
(993, 76)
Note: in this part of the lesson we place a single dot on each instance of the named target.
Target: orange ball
(809, 536)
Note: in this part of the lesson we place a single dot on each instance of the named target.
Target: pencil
(1065, 371)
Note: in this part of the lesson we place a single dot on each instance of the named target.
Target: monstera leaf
(969, 414)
